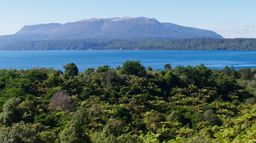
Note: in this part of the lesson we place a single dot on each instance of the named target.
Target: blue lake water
(155, 59)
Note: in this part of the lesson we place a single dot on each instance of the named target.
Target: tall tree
(70, 70)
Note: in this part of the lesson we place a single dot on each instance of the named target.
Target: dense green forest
(149, 44)
(128, 104)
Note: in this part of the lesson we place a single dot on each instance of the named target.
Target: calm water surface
(155, 59)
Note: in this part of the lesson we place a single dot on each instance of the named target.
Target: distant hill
(114, 28)
(119, 33)
(123, 28)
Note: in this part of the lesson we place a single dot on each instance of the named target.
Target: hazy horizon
(231, 19)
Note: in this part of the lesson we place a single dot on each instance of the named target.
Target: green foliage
(70, 70)
(133, 68)
(73, 133)
(48, 137)
(167, 67)
(246, 74)
(129, 104)
(210, 117)
(20, 133)
(10, 112)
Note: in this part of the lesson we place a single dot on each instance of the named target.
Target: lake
(114, 58)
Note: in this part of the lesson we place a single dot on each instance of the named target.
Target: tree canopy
(128, 104)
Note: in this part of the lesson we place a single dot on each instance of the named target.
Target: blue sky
(230, 18)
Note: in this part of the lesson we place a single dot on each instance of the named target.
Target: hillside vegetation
(128, 104)
(149, 44)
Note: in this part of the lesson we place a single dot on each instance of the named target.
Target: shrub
(61, 101)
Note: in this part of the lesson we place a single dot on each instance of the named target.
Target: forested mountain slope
(146, 44)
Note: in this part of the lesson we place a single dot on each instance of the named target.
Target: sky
(230, 18)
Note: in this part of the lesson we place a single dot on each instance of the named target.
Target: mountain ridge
(116, 28)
